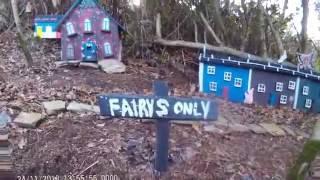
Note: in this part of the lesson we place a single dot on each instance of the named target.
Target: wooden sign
(163, 109)
(153, 107)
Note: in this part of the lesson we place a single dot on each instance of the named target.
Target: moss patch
(310, 150)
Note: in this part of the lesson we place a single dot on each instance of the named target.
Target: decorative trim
(201, 70)
(249, 79)
(296, 94)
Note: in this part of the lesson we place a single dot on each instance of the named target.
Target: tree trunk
(262, 36)
(158, 26)
(217, 16)
(304, 25)
(4, 14)
(195, 31)
(285, 7)
(208, 27)
(23, 44)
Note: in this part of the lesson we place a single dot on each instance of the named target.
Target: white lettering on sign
(150, 104)
(187, 108)
(135, 107)
(205, 107)
(142, 108)
(114, 105)
(163, 104)
(126, 108)
(178, 107)
(195, 110)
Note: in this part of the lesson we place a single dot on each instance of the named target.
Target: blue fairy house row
(260, 82)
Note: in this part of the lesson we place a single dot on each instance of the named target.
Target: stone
(212, 128)
(256, 129)
(81, 107)
(185, 122)
(52, 107)
(111, 66)
(273, 129)
(90, 65)
(316, 131)
(188, 153)
(288, 130)
(67, 63)
(238, 128)
(28, 120)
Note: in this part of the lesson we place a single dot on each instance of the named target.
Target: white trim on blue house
(296, 94)
(201, 70)
(249, 79)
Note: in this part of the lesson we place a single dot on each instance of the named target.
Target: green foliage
(308, 154)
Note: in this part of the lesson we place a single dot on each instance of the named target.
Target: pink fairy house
(89, 33)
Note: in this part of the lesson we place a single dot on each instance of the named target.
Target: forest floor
(68, 143)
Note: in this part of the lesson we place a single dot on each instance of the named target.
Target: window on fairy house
(238, 82)
(70, 52)
(283, 99)
(70, 29)
(87, 26)
(107, 49)
(279, 86)
(305, 90)
(227, 76)
(261, 88)
(213, 86)
(308, 103)
(211, 70)
(106, 24)
(292, 85)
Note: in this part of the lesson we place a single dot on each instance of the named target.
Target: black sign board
(159, 107)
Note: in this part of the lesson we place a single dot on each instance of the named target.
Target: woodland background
(251, 26)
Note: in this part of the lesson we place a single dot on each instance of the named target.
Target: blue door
(273, 99)
(89, 51)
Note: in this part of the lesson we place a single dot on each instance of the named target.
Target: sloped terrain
(85, 143)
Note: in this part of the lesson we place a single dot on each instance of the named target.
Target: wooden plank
(157, 107)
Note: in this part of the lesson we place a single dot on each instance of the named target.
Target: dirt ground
(80, 143)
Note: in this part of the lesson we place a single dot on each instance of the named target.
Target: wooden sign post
(161, 107)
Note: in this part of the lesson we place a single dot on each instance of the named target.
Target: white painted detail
(308, 103)
(227, 76)
(213, 86)
(279, 86)
(237, 82)
(283, 99)
(211, 70)
(292, 85)
(296, 94)
(261, 88)
(249, 79)
(201, 77)
(305, 90)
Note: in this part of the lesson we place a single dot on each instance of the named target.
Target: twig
(93, 164)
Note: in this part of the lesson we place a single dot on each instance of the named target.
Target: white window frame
(70, 28)
(107, 48)
(305, 90)
(70, 52)
(213, 86)
(261, 88)
(308, 103)
(106, 24)
(211, 70)
(237, 82)
(87, 25)
(227, 76)
(292, 85)
(283, 99)
(279, 86)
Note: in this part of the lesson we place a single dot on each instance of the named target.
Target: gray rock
(273, 129)
(257, 129)
(238, 128)
(67, 63)
(28, 120)
(316, 131)
(91, 65)
(212, 128)
(52, 107)
(82, 108)
(111, 66)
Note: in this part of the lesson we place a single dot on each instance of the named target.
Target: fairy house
(89, 33)
(261, 82)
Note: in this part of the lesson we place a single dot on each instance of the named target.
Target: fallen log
(220, 49)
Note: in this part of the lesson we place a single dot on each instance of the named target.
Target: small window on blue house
(70, 52)
(308, 103)
(238, 82)
(87, 26)
(279, 86)
(305, 90)
(292, 85)
(106, 24)
(211, 70)
(213, 86)
(227, 76)
(70, 29)
(107, 49)
(283, 99)
(261, 88)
